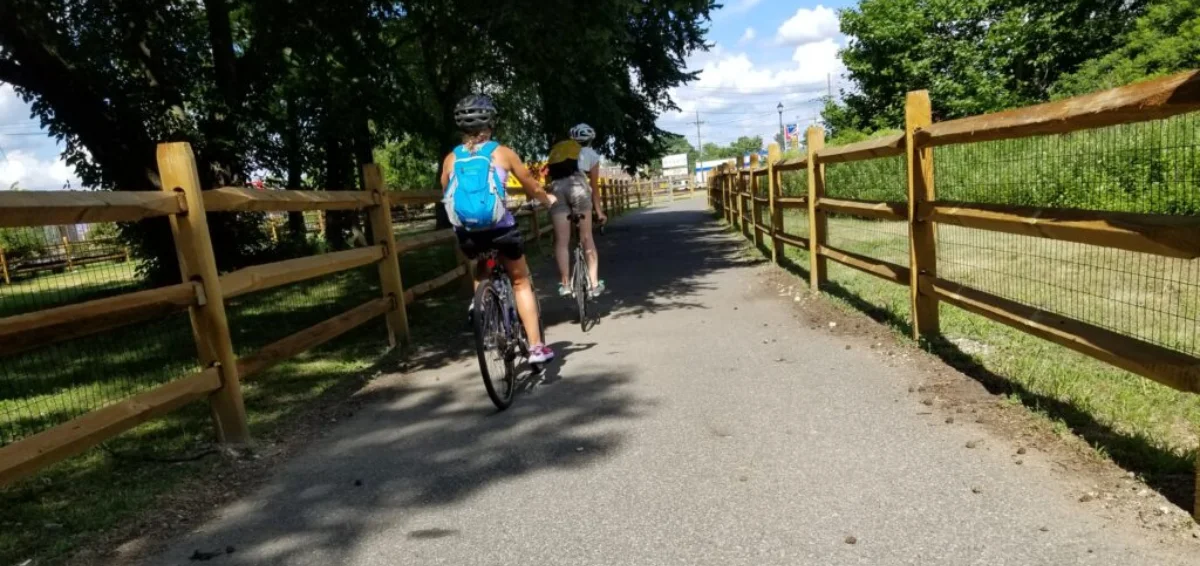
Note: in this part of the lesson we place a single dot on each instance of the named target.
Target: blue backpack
(474, 198)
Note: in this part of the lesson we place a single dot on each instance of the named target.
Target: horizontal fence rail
(1174, 236)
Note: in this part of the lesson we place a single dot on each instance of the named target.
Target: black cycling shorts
(508, 242)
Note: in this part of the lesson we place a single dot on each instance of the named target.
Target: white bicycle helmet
(583, 133)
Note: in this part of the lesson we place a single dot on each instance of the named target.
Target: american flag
(792, 131)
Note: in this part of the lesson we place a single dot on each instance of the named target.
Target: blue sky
(765, 52)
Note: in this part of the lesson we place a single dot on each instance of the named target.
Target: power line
(767, 90)
(744, 120)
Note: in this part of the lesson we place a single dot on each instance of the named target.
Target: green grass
(71, 503)
(84, 283)
(1136, 422)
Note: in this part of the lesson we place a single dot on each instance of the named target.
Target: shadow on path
(652, 261)
(416, 447)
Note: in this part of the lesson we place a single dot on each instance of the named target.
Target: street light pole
(782, 134)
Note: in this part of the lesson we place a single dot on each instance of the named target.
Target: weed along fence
(1076, 221)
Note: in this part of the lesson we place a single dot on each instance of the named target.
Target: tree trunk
(338, 223)
(364, 153)
(295, 166)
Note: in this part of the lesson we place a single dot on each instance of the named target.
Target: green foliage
(1145, 167)
(407, 164)
(1165, 40)
(974, 56)
(746, 144)
(309, 90)
(21, 243)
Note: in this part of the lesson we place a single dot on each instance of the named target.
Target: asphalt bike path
(699, 423)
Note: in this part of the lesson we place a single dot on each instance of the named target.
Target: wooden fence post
(383, 235)
(727, 180)
(773, 191)
(4, 267)
(640, 186)
(718, 178)
(922, 235)
(730, 188)
(210, 327)
(605, 186)
(743, 189)
(818, 226)
(755, 205)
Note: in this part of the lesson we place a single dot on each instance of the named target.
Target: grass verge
(73, 504)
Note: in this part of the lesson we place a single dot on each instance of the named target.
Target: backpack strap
(488, 148)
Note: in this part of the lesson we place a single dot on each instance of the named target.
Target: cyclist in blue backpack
(473, 178)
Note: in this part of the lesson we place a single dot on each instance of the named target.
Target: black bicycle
(581, 281)
(500, 339)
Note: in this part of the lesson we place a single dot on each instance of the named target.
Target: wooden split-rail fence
(749, 197)
(204, 292)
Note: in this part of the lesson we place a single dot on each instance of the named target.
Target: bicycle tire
(486, 323)
(579, 284)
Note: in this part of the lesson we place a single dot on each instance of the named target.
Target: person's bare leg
(518, 270)
(589, 249)
(562, 247)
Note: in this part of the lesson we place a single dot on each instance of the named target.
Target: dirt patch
(956, 399)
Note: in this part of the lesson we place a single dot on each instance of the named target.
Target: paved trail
(669, 434)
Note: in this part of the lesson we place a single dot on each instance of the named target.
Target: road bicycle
(581, 281)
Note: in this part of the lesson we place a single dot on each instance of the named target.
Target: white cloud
(31, 173)
(27, 158)
(742, 6)
(737, 74)
(808, 26)
(736, 94)
(748, 36)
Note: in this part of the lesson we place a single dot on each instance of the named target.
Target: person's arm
(594, 179)
(447, 166)
(533, 189)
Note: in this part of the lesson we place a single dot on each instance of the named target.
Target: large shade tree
(974, 56)
(310, 90)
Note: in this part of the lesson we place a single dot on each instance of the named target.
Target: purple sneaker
(540, 354)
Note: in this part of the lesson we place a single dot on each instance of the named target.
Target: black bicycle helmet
(474, 113)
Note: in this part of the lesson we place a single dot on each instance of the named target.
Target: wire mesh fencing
(876, 180)
(1149, 167)
(57, 266)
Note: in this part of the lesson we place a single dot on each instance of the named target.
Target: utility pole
(699, 142)
(829, 84)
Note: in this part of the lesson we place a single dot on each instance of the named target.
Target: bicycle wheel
(493, 346)
(579, 284)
